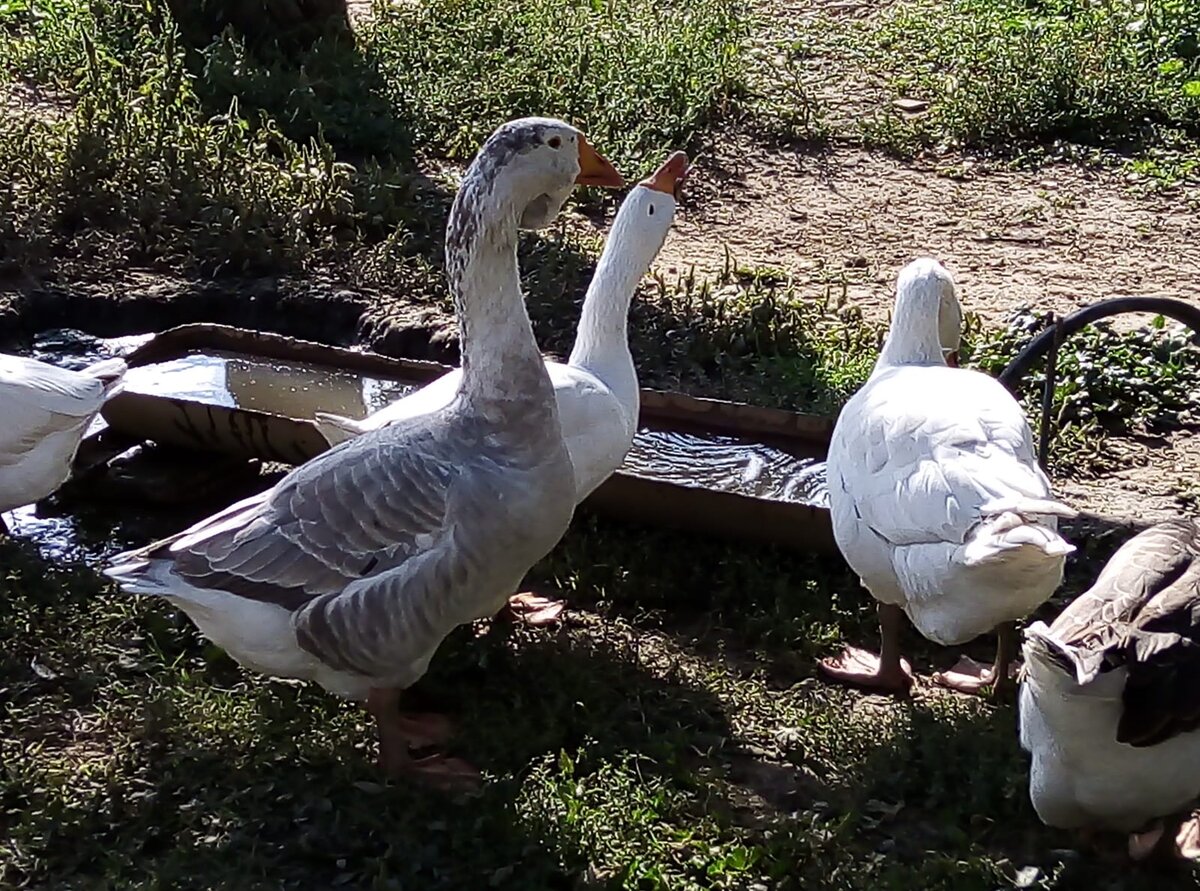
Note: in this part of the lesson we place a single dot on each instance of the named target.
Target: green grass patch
(232, 159)
(670, 737)
(1019, 77)
(641, 77)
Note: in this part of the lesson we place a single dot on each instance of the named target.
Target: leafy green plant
(1106, 381)
(1026, 77)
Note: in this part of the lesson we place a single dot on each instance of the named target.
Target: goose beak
(669, 176)
(595, 169)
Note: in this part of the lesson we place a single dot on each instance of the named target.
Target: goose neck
(500, 357)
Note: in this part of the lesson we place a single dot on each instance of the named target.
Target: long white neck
(602, 340)
(913, 338)
(500, 358)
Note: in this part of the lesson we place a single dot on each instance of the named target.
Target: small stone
(1026, 877)
(911, 106)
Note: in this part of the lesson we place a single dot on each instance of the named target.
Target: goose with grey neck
(1110, 697)
(46, 412)
(597, 388)
(352, 569)
(937, 500)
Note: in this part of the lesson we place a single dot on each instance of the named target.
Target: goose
(1109, 701)
(597, 388)
(353, 568)
(46, 411)
(937, 500)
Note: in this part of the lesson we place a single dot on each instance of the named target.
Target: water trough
(702, 465)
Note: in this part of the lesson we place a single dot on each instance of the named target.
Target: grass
(1024, 79)
(674, 738)
(234, 159)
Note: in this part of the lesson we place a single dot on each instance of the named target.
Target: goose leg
(969, 676)
(1187, 839)
(1005, 668)
(1143, 844)
(399, 732)
(887, 671)
(533, 609)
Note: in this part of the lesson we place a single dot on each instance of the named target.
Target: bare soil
(1056, 238)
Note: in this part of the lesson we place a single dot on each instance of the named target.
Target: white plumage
(937, 500)
(44, 413)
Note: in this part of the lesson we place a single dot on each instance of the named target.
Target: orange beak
(669, 176)
(595, 169)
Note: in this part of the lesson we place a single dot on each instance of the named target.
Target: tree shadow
(304, 69)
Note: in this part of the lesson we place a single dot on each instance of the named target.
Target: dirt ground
(1056, 238)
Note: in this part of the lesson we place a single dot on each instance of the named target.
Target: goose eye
(554, 142)
(650, 210)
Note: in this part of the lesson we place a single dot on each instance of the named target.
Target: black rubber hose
(1058, 330)
(1178, 310)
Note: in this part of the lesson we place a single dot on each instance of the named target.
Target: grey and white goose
(1110, 696)
(352, 569)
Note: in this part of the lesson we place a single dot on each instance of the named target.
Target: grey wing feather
(367, 518)
(1143, 613)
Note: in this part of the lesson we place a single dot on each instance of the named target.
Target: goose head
(638, 233)
(927, 320)
(646, 214)
(950, 324)
(521, 177)
(531, 165)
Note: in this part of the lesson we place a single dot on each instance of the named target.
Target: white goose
(46, 411)
(1110, 696)
(353, 569)
(937, 501)
(597, 388)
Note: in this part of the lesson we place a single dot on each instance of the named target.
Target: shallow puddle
(275, 386)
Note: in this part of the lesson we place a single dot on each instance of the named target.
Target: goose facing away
(937, 500)
(1110, 695)
(597, 388)
(46, 411)
(352, 569)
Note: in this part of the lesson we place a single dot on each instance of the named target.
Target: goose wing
(931, 448)
(360, 542)
(1143, 613)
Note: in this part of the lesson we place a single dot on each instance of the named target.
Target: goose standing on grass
(44, 413)
(1110, 696)
(597, 388)
(353, 569)
(937, 500)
